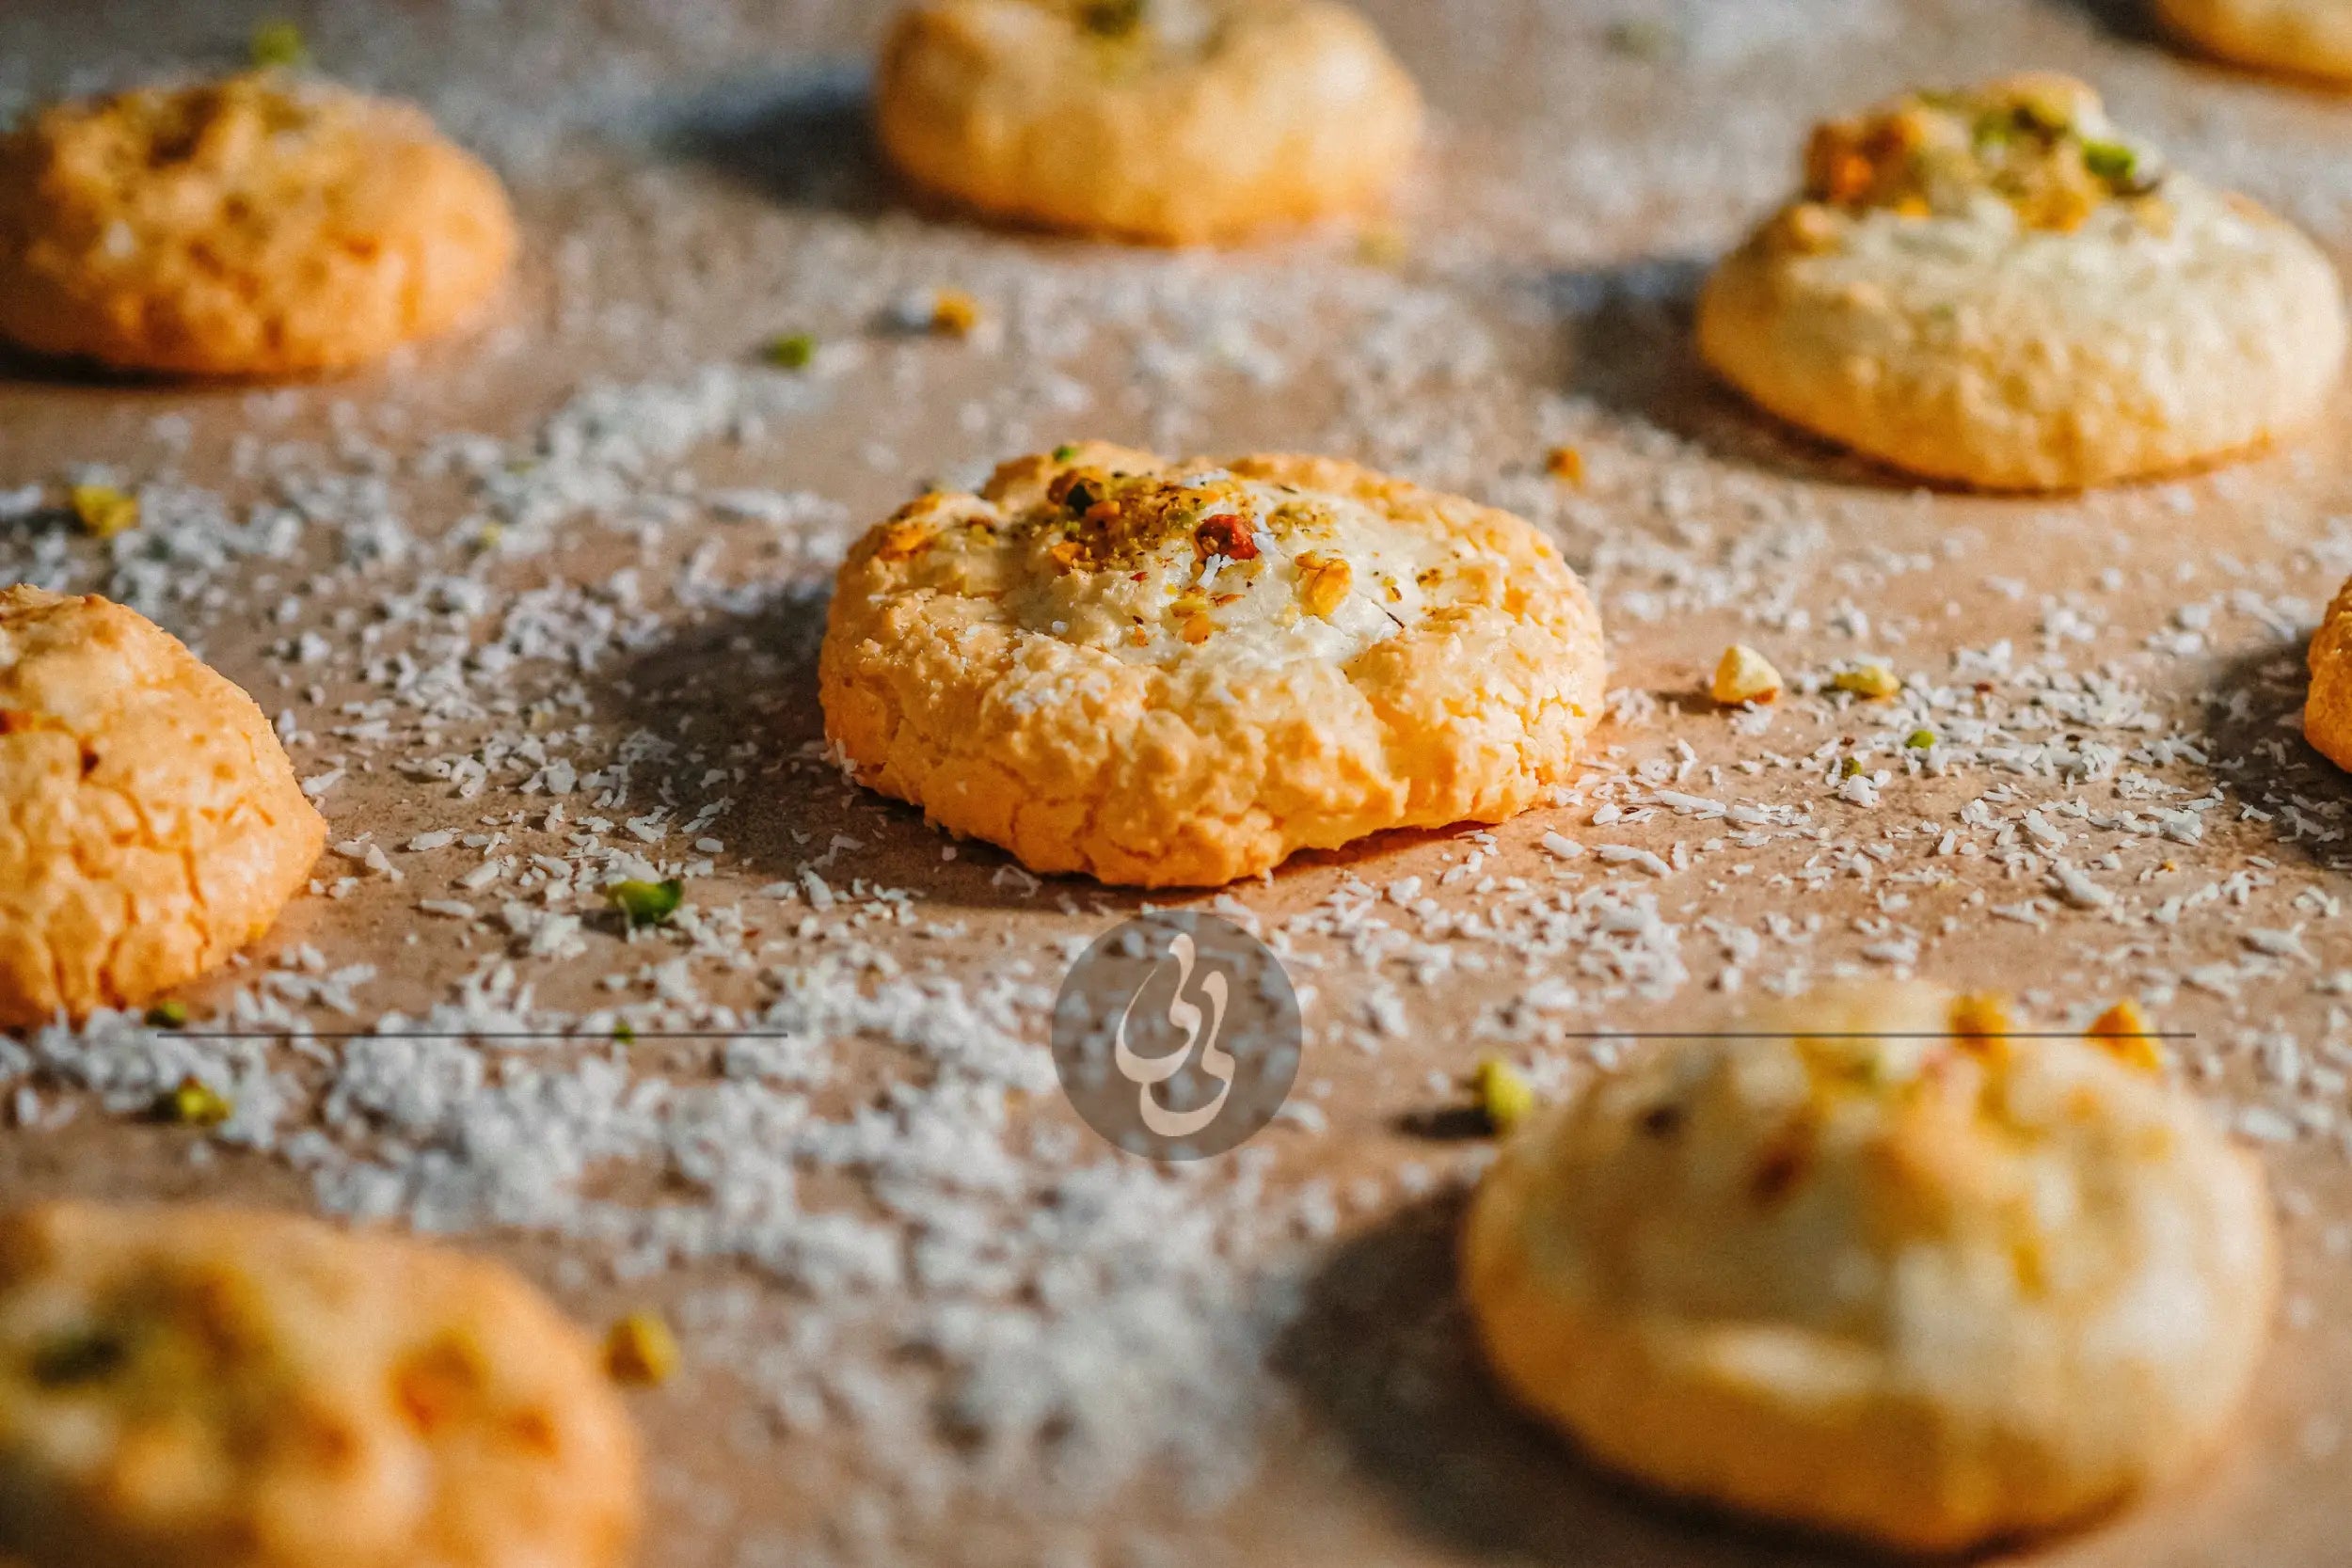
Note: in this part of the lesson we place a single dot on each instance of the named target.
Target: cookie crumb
(1744, 676)
(641, 1350)
(103, 509)
(1871, 682)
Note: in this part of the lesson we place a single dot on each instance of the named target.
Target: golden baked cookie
(1996, 288)
(1176, 121)
(215, 1388)
(2327, 706)
(257, 226)
(153, 822)
(1930, 1291)
(2301, 38)
(1176, 674)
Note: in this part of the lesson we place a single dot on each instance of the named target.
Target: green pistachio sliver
(793, 350)
(278, 44)
(647, 903)
(2111, 160)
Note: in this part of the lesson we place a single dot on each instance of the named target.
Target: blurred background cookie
(2303, 38)
(217, 1389)
(259, 225)
(1895, 1273)
(1177, 673)
(153, 824)
(1996, 287)
(1169, 120)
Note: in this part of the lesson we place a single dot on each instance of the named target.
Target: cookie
(259, 225)
(2327, 706)
(1929, 1291)
(1996, 288)
(2301, 38)
(1174, 121)
(153, 824)
(214, 1388)
(1177, 673)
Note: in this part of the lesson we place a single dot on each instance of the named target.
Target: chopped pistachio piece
(172, 1014)
(793, 350)
(195, 1103)
(1064, 453)
(278, 44)
(1852, 768)
(641, 1350)
(1504, 1097)
(647, 903)
(624, 1033)
(1871, 681)
(103, 509)
(1920, 740)
(1744, 676)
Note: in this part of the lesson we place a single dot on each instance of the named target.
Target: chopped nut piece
(641, 1350)
(647, 903)
(2127, 1035)
(904, 541)
(103, 509)
(1564, 464)
(1809, 227)
(278, 44)
(794, 351)
(196, 1104)
(169, 1014)
(1323, 582)
(1744, 676)
(1225, 534)
(1920, 740)
(1503, 1096)
(1871, 681)
(954, 313)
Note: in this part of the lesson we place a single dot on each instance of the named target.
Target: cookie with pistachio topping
(2298, 38)
(1175, 121)
(1999, 288)
(1882, 1266)
(260, 224)
(150, 821)
(1177, 673)
(217, 1389)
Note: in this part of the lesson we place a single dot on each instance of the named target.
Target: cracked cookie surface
(152, 822)
(1895, 1273)
(211, 1387)
(1997, 288)
(1175, 121)
(1178, 674)
(255, 226)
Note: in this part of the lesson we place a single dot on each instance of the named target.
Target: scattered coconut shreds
(528, 646)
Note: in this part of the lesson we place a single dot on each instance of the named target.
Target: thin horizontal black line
(633, 1036)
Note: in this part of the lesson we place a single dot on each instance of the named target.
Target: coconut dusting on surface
(537, 612)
